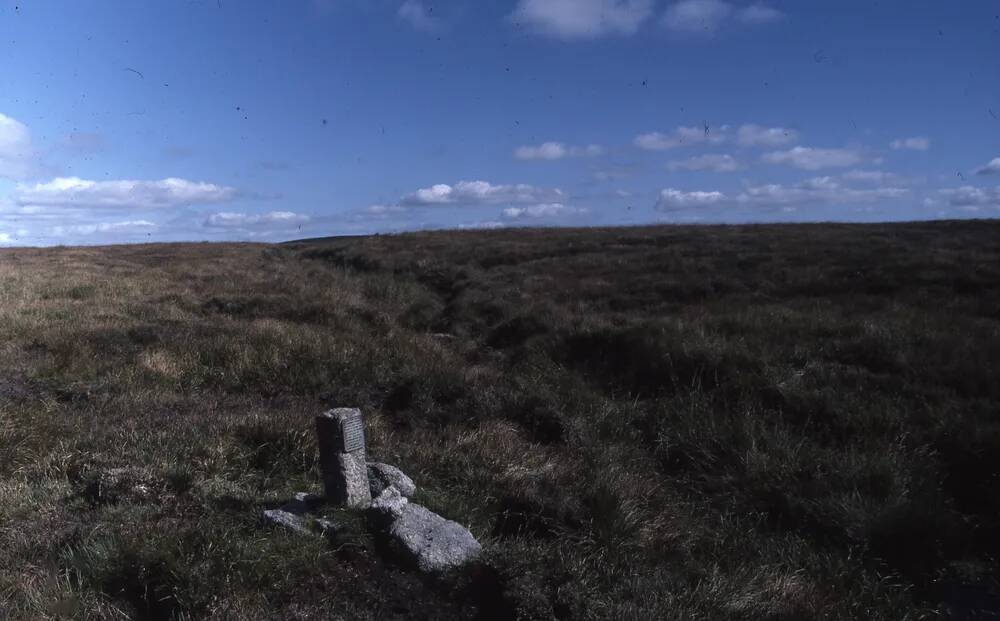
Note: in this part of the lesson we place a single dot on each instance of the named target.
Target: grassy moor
(721, 422)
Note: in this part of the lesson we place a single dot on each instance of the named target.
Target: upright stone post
(341, 434)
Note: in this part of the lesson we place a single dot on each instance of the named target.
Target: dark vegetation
(754, 422)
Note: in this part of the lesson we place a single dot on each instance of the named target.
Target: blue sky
(264, 120)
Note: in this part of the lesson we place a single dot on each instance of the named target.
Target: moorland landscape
(715, 422)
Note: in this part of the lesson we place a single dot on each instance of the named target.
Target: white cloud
(490, 224)
(556, 151)
(827, 190)
(17, 154)
(708, 16)
(818, 190)
(968, 197)
(993, 168)
(379, 210)
(546, 151)
(418, 16)
(682, 136)
(481, 193)
(715, 162)
(273, 219)
(917, 143)
(815, 191)
(48, 226)
(759, 14)
(672, 200)
(747, 135)
(695, 16)
(750, 135)
(71, 226)
(115, 228)
(655, 141)
(875, 177)
(591, 150)
(582, 19)
(810, 158)
(545, 210)
(73, 192)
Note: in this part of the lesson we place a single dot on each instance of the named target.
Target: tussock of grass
(721, 422)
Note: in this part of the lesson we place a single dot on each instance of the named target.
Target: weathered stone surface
(301, 524)
(381, 476)
(345, 475)
(390, 503)
(355, 472)
(302, 504)
(430, 541)
(286, 520)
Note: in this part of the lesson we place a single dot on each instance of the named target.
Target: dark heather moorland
(727, 422)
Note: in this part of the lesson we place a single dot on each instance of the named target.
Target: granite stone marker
(341, 435)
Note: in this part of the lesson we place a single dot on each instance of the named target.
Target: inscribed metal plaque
(353, 432)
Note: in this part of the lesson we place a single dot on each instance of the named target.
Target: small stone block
(345, 473)
(381, 476)
(432, 542)
(286, 520)
(390, 503)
